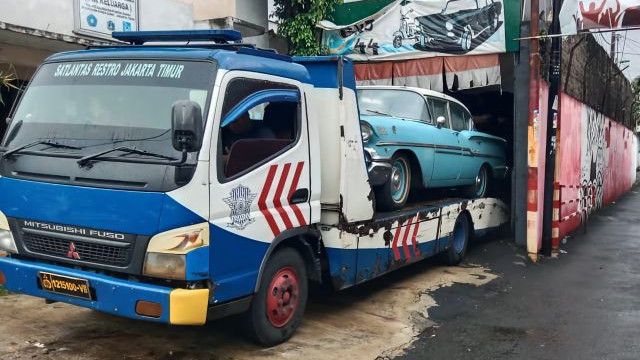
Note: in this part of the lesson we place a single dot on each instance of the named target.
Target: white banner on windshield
(581, 15)
(412, 29)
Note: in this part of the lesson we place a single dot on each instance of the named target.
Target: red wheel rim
(283, 297)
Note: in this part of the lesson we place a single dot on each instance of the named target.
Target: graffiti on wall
(593, 160)
(596, 163)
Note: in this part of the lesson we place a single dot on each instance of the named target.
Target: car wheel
(466, 40)
(394, 193)
(480, 186)
(495, 21)
(397, 41)
(459, 240)
(277, 308)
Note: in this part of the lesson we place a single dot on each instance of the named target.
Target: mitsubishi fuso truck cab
(180, 183)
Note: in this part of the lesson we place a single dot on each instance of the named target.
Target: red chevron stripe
(277, 197)
(262, 202)
(394, 244)
(414, 240)
(405, 248)
(294, 187)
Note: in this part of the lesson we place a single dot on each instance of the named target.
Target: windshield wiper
(125, 149)
(50, 143)
(378, 112)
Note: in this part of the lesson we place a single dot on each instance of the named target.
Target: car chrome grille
(86, 251)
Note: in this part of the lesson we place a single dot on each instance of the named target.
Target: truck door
(260, 179)
(446, 165)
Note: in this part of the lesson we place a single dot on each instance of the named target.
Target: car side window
(439, 108)
(258, 134)
(469, 120)
(425, 113)
(459, 119)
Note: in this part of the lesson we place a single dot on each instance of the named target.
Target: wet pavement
(497, 305)
(584, 305)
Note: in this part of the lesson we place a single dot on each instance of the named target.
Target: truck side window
(439, 108)
(259, 134)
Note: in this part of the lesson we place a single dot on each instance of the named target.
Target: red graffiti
(597, 16)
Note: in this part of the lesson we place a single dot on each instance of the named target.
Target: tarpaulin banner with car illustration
(408, 29)
(583, 15)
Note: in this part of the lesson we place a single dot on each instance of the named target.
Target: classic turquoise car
(421, 138)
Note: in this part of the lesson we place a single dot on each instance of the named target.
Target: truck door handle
(299, 196)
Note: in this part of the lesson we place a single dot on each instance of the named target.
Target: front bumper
(111, 295)
(379, 169)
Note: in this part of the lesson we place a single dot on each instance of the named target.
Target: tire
(480, 187)
(397, 41)
(394, 193)
(495, 21)
(267, 321)
(466, 40)
(459, 240)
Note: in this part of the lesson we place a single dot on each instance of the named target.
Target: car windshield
(94, 105)
(399, 103)
(454, 6)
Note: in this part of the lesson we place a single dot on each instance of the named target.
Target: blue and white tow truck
(180, 183)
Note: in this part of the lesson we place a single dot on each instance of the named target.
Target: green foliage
(298, 19)
(7, 77)
(3, 291)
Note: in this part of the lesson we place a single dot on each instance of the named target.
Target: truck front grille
(81, 250)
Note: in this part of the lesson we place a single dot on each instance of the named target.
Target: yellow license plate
(65, 285)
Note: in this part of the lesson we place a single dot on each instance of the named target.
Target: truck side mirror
(186, 126)
(441, 121)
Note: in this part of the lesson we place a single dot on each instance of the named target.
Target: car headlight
(167, 252)
(367, 132)
(7, 242)
(449, 26)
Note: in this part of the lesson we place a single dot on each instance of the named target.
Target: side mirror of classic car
(441, 121)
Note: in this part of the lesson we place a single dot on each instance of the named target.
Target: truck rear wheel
(459, 240)
(277, 308)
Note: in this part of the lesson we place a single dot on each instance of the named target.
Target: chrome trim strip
(76, 238)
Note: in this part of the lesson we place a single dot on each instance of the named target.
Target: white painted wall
(57, 15)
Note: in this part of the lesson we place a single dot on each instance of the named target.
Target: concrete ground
(584, 305)
(497, 305)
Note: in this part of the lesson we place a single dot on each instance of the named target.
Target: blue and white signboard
(99, 18)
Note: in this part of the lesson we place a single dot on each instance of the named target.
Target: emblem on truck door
(239, 201)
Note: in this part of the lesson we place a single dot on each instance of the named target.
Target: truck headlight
(167, 252)
(7, 242)
(367, 132)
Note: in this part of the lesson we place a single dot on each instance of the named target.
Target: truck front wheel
(277, 308)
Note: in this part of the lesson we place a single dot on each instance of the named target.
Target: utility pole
(552, 116)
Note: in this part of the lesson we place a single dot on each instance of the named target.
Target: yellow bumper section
(188, 307)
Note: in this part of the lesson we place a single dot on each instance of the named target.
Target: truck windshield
(398, 103)
(90, 106)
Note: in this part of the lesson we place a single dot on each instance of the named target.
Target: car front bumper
(110, 294)
(379, 169)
